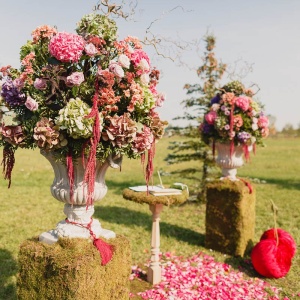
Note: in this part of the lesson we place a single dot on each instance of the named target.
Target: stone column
(154, 270)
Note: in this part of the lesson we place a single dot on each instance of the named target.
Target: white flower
(124, 61)
(215, 107)
(143, 65)
(145, 79)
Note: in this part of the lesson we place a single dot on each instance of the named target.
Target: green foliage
(210, 74)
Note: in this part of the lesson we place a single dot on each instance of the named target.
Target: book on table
(156, 190)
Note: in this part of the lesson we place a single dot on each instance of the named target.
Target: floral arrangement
(234, 117)
(81, 94)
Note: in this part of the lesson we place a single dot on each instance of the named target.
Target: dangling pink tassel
(214, 148)
(246, 152)
(105, 249)
(8, 163)
(89, 175)
(149, 167)
(231, 131)
(70, 169)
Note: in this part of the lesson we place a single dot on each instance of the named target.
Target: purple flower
(243, 136)
(215, 99)
(11, 94)
(206, 128)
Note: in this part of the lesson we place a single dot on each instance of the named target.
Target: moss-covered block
(230, 217)
(71, 269)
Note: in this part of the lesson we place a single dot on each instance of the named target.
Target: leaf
(53, 61)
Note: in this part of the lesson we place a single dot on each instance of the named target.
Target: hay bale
(230, 217)
(71, 269)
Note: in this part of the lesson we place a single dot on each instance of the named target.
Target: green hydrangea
(99, 25)
(235, 87)
(73, 119)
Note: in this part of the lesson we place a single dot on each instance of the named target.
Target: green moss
(142, 197)
(71, 269)
(230, 217)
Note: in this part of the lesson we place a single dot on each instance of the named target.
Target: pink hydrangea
(211, 117)
(143, 140)
(243, 103)
(66, 47)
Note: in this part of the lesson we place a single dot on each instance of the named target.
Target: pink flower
(66, 47)
(238, 121)
(124, 61)
(160, 98)
(115, 68)
(211, 117)
(19, 83)
(263, 122)
(243, 103)
(143, 140)
(40, 84)
(90, 49)
(31, 104)
(141, 60)
(75, 78)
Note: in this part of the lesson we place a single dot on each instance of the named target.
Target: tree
(210, 74)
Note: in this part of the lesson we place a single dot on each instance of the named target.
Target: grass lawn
(28, 209)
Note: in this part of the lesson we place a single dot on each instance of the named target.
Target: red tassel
(89, 176)
(149, 167)
(231, 131)
(105, 250)
(70, 168)
(8, 163)
(247, 184)
(246, 152)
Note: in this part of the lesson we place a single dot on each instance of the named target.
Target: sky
(261, 37)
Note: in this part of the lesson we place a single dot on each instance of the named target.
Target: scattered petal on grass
(201, 277)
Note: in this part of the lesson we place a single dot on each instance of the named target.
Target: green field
(28, 209)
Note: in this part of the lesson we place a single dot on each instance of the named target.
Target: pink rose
(31, 104)
(211, 117)
(40, 84)
(115, 68)
(243, 103)
(90, 49)
(19, 83)
(75, 78)
(263, 122)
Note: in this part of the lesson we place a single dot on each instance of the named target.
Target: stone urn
(229, 163)
(78, 214)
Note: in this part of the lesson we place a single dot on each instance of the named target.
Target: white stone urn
(229, 163)
(78, 212)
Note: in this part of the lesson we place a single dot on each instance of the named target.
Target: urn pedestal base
(80, 215)
(230, 217)
(71, 270)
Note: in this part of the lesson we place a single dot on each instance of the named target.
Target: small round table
(156, 204)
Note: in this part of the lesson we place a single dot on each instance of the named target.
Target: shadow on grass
(127, 217)
(8, 268)
(289, 184)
